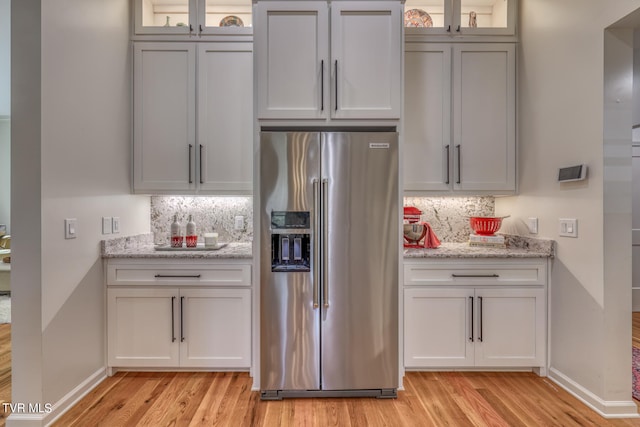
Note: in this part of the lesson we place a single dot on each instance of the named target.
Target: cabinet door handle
(458, 154)
(177, 276)
(480, 319)
(200, 154)
(181, 319)
(449, 29)
(471, 326)
(458, 29)
(475, 275)
(190, 150)
(322, 85)
(200, 26)
(336, 84)
(447, 148)
(173, 322)
(190, 28)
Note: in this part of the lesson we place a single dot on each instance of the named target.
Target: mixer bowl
(413, 233)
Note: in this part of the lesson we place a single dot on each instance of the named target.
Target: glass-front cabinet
(459, 17)
(193, 17)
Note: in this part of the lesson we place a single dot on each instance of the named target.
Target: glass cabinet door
(224, 14)
(432, 15)
(164, 16)
(455, 17)
(193, 17)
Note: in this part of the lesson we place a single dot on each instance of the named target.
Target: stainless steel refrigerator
(329, 227)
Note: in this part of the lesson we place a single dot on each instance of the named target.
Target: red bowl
(485, 225)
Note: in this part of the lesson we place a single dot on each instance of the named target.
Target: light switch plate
(568, 227)
(115, 224)
(532, 224)
(238, 223)
(70, 228)
(106, 225)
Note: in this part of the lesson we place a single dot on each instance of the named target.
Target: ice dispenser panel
(290, 241)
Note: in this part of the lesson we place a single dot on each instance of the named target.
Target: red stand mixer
(417, 234)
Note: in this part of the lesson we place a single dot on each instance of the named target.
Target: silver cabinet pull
(480, 319)
(458, 153)
(200, 154)
(190, 150)
(173, 320)
(471, 329)
(316, 244)
(322, 85)
(475, 275)
(336, 83)
(177, 276)
(447, 149)
(181, 319)
(325, 236)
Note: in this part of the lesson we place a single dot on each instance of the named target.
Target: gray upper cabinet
(324, 61)
(460, 118)
(193, 118)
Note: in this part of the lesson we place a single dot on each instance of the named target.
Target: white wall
(561, 86)
(73, 161)
(5, 172)
(5, 52)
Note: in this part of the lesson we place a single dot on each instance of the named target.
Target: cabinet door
(366, 59)
(164, 117)
(162, 17)
(216, 328)
(510, 327)
(225, 118)
(484, 117)
(292, 45)
(437, 327)
(141, 328)
(427, 112)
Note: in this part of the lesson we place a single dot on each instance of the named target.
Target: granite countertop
(142, 246)
(517, 247)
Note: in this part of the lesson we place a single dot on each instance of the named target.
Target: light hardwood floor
(225, 399)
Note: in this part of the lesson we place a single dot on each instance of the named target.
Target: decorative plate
(417, 18)
(231, 21)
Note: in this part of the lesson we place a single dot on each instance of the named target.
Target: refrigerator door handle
(316, 243)
(325, 210)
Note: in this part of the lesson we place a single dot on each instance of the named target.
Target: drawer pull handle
(480, 319)
(471, 317)
(475, 275)
(169, 276)
(181, 319)
(173, 326)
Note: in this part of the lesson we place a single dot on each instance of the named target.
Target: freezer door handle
(325, 235)
(316, 243)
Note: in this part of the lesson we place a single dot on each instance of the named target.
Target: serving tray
(199, 247)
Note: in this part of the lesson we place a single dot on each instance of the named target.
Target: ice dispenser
(290, 241)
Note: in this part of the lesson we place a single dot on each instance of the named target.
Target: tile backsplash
(209, 213)
(448, 216)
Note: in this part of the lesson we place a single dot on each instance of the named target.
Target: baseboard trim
(605, 408)
(60, 407)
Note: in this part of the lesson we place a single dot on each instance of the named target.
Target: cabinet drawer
(469, 273)
(158, 275)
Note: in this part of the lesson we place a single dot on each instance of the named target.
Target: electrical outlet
(115, 224)
(106, 225)
(532, 224)
(238, 223)
(568, 227)
(70, 228)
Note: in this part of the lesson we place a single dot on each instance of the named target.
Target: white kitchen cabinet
(475, 314)
(168, 315)
(192, 17)
(460, 118)
(188, 144)
(455, 18)
(321, 61)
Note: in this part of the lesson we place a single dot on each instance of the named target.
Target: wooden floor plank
(439, 399)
